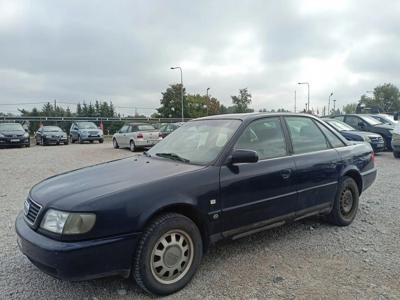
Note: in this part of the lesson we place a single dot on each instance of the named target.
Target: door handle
(286, 173)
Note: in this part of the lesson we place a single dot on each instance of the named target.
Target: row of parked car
(133, 135)
(380, 130)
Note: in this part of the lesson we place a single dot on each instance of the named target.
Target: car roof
(134, 124)
(252, 116)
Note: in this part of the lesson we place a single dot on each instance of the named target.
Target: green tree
(171, 103)
(350, 108)
(242, 101)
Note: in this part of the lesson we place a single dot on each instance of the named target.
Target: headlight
(26, 135)
(67, 223)
(367, 139)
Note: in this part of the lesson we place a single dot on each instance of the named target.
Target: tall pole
(334, 105)
(329, 103)
(295, 101)
(180, 69)
(308, 93)
(208, 100)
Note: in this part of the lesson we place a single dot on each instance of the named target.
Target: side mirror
(396, 116)
(243, 156)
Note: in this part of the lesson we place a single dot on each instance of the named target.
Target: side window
(305, 135)
(353, 121)
(264, 136)
(332, 138)
(124, 129)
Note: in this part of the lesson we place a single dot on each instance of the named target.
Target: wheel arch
(189, 211)
(356, 176)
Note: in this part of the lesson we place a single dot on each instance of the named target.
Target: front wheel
(168, 254)
(115, 143)
(80, 141)
(346, 203)
(101, 141)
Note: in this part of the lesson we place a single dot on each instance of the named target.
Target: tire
(132, 146)
(71, 140)
(346, 203)
(66, 142)
(80, 140)
(396, 154)
(37, 142)
(42, 142)
(101, 141)
(28, 145)
(184, 257)
(115, 143)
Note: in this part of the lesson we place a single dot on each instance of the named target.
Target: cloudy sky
(123, 50)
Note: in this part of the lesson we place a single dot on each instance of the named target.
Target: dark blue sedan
(376, 140)
(153, 216)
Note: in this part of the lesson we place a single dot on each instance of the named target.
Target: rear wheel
(346, 203)
(132, 146)
(168, 254)
(115, 143)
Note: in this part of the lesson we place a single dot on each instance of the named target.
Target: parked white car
(136, 135)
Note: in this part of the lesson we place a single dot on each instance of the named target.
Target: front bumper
(92, 138)
(6, 141)
(378, 147)
(80, 260)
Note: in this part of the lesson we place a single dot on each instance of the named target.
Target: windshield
(197, 142)
(11, 127)
(51, 129)
(371, 120)
(384, 119)
(87, 125)
(340, 126)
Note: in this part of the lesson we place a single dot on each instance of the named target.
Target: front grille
(13, 135)
(31, 210)
(376, 139)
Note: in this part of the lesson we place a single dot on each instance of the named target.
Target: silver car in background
(136, 135)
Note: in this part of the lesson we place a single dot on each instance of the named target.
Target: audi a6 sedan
(153, 216)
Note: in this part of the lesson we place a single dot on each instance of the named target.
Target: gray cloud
(122, 50)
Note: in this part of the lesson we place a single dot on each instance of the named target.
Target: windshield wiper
(173, 156)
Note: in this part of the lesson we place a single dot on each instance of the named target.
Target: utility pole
(208, 100)
(180, 69)
(334, 105)
(329, 102)
(308, 93)
(295, 101)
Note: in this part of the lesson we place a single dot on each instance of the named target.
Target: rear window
(145, 127)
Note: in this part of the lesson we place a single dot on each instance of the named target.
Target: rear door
(317, 164)
(256, 194)
(121, 137)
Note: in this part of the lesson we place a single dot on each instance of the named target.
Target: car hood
(71, 190)
(17, 132)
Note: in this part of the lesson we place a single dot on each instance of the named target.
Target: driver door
(255, 195)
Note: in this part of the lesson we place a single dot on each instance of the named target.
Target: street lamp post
(295, 101)
(180, 69)
(208, 100)
(329, 103)
(334, 105)
(308, 93)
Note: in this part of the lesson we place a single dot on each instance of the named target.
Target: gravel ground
(305, 260)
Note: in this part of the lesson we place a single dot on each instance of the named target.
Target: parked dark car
(82, 131)
(167, 128)
(217, 177)
(365, 122)
(375, 140)
(13, 134)
(51, 135)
